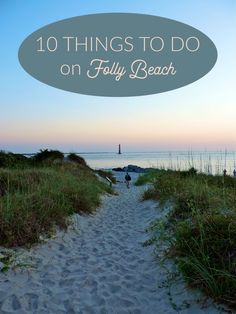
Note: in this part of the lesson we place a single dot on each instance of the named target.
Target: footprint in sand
(102, 269)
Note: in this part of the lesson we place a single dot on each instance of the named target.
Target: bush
(13, 160)
(48, 155)
(207, 254)
(146, 177)
(108, 174)
(34, 201)
(77, 159)
(189, 173)
(203, 225)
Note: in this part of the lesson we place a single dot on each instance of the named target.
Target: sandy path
(103, 269)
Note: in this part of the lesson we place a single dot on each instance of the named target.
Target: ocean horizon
(211, 162)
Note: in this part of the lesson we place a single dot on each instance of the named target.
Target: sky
(201, 115)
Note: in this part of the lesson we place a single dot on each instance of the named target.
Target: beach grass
(200, 227)
(106, 174)
(36, 199)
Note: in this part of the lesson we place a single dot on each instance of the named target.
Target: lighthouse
(119, 150)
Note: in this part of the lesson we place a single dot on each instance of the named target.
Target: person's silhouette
(127, 179)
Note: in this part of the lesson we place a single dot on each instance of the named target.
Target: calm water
(209, 162)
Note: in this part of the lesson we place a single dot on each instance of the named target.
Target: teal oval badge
(117, 54)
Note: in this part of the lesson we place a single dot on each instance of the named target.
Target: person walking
(224, 172)
(127, 179)
(234, 173)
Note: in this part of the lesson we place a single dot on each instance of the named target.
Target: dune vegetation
(199, 229)
(39, 193)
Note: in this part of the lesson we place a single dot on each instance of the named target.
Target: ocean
(213, 162)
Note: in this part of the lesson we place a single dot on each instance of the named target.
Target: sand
(100, 266)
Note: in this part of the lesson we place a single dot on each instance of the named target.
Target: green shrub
(48, 155)
(13, 160)
(207, 256)
(189, 173)
(77, 159)
(106, 174)
(34, 201)
(203, 224)
(146, 177)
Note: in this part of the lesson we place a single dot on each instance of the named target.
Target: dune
(100, 266)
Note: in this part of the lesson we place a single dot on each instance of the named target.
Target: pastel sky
(201, 115)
